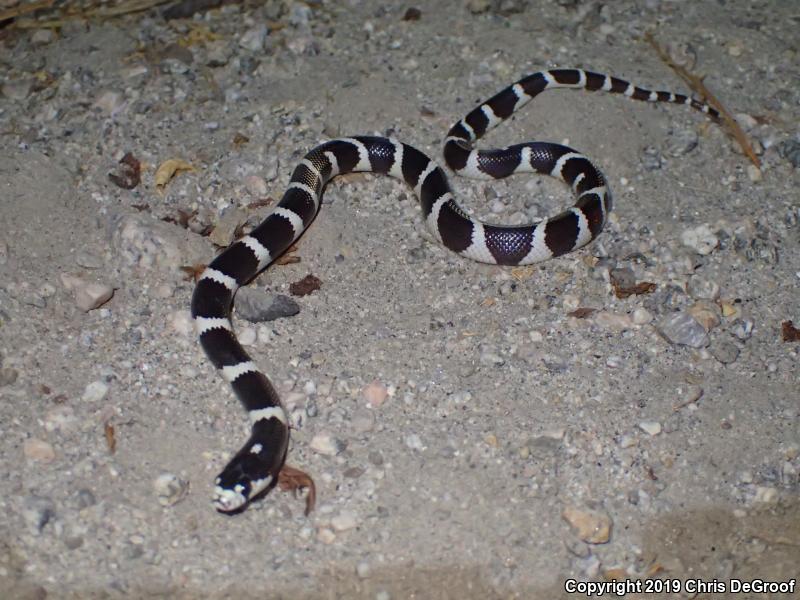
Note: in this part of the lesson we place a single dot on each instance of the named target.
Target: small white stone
(701, 239)
(326, 536)
(363, 570)
(650, 427)
(181, 322)
(256, 186)
(59, 418)
(324, 443)
(92, 295)
(641, 316)
(414, 442)
(110, 102)
(765, 495)
(247, 337)
(38, 450)
(754, 173)
(170, 489)
(375, 394)
(344, 520)
(95, 391)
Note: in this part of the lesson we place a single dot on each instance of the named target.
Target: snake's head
(253, 471)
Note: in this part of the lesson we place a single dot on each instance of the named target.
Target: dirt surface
(473, 431)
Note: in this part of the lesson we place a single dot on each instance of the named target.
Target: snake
(254, 469)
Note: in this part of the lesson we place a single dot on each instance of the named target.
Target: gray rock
(256, 306)
(683, 330)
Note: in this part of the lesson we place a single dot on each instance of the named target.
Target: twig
(24, 9)
(696, 83)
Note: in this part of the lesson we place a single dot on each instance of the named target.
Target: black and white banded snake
(254, 469)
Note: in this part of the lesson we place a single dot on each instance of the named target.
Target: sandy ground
(473, 431)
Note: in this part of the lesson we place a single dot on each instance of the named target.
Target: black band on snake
(254, 469)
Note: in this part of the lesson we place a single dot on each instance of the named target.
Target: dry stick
(696, 83)
(24, 9)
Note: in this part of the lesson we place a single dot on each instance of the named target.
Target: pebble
(40, 450)
(705, 313)
(650, 427)
(363, 570)
(17, 89)
(702, 289)
(95, 391)
(651, 159)
(742, 328)
(765, 495)
(253, 39)
(224, 231)
(612, 321)
(181, 322)
(247, 336)
(89, 296)
(754, 173)
(8, 375)
(110, 102)
(641, 316)
(326, 444)
(326, 536)
(170, 489)
(344, 521)
(724, 351)
(413, 442)
(790, 150)
(701, 239)
(375, 394)
(682, 329)
(37, 512)
(682, 142)
(256, 186)
(59, 418)
(41, 37)
(257, 307)
(592, 526)
(477, 7)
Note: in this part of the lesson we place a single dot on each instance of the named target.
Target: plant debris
(305, 286)
(129, 173)
(292, 479)
(696, 83)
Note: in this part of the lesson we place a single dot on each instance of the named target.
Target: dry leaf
(129, 173)
(789, 332)
(292, 479)
(305, 286)
(111, 440)
(169, 168)
(194, 271)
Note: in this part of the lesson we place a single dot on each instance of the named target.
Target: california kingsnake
(254, 469)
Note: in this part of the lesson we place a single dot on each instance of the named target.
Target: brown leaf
(129, 174)
(194, 271)
(582, 313)
(261, 202)
(292, 479)
(111, 440)
(305, 286)
(789, 333)
(240, 139)
(182, 218)
(412, 14)
(643, 287)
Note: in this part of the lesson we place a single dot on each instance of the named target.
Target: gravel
(473, 431)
